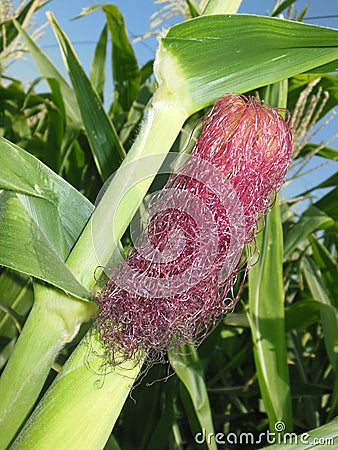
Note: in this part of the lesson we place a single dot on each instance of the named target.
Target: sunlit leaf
(126, 73)
(241, 52)
(105, 144)
(98, 66)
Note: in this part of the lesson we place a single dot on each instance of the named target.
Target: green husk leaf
(84, 381)
(31, 360)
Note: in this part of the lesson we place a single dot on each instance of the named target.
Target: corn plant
(58, 150)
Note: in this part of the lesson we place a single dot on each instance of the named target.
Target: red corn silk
(175, 284)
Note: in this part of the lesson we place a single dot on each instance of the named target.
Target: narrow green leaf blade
(266, 300)
(9, 32)
(279, 8)
(15, 302)
(98, 66)
(104, 141)
(301, 314)
(188, 368)
(314, 280)
(126, 72)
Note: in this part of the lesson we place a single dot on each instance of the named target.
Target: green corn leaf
(41, 216)
(328, 316)
(71, 133)
(329, 182)
(334, 402)
(146, 71)
(104, 141)
(194, 9)
(188, 368)
(329, 319)
(241, 52)
(23, 173)
(48, 70)
(313, 219)
(135, 113)
(98, 66)
(314, 280)
(31, 241)
(126, 73)
(266, 301)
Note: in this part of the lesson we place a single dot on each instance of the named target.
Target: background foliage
(222, 386)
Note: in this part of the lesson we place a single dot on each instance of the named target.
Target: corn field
(78, 171)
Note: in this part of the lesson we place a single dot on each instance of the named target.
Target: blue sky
(84, 33)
